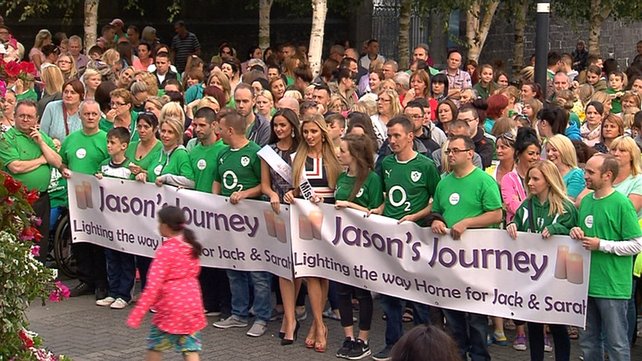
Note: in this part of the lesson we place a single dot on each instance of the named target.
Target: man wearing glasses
(28, 155)
(483, 145)
(466, 198)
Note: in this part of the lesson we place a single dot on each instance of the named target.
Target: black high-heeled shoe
(285, 341)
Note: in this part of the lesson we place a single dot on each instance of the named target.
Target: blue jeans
(121, 273)
(608, 317)
(470, 331)
(240, 283)
(393, 307)
(632, 314)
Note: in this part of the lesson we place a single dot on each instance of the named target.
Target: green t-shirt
(57, 189)
(175, 162)
(105, 125)
(112, 170)
(83, 153)
(238, 169)
(204, 160)
(466, 197)
(409, 185)
(611, 218)
(370, 195)
(16, 145)
(145, 161)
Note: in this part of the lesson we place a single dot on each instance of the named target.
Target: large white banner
(121, 215)
(485, 272)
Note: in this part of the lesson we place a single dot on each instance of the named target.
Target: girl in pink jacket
(174, 291)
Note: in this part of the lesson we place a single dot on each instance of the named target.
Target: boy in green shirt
(121, 266)
(610, 230)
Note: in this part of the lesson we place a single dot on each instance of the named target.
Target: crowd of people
(467, 146)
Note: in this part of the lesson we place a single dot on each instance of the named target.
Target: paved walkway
(78, 328)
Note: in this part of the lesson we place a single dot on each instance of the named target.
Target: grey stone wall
(618, 39)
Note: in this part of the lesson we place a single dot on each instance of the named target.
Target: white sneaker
(257, 330)
(105, 301)
(119, 304)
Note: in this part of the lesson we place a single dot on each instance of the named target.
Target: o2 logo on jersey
(398, 201)
(245, 160)
(231, 181)
(360, 193)
(158, 169)
(454, 199)
(201, 164)
(81, 153)
(588, 221)
(415, 175)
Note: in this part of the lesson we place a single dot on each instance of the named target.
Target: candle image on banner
(88, 197)
(575, 268)
(269, 217)
(316, 218)
(305, 228)
(81, 199)
(560, 262)
(279, 227)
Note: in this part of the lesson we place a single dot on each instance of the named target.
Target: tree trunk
(319, 12)
(599, 13)
(404, 33)
(477, 26)
(438, 39)
(91, 23)
(521, 10)
(265, 6)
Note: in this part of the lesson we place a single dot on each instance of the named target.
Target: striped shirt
(184, 47)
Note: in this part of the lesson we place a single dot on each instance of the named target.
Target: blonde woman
(149, 79)
(316, 158)
(35, 54)
(388, 106)
(91, 79)
(264, 104)
(560, 151)
(111, 57)
(54, 79)
(629, 178)
(172, 166)
(552, 213)
(67, 65)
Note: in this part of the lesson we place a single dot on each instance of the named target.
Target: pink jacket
(173, 290)
(513, 193)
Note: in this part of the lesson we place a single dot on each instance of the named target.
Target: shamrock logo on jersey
(245, 161)
(415, 175)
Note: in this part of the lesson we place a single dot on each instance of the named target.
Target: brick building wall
(617, 40)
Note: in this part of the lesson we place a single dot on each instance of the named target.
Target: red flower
(12, 184)
(28, 68)
(12, 69)
(29, 234)
(26, 339)
(32, 196)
